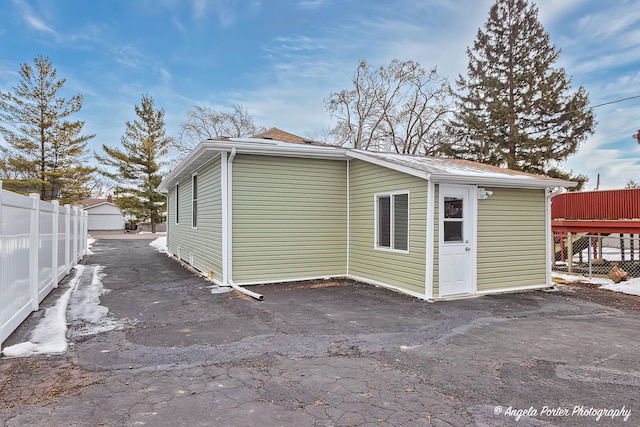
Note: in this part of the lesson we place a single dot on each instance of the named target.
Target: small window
(392, 226)
(177, 203)
(194, 201)
(453, 219)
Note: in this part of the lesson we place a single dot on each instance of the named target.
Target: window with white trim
(194, 201)
(392, 221)
(177, 203)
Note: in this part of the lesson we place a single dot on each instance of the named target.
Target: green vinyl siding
(289, 218)
(401, 270)
(205, 241)
(511, 239)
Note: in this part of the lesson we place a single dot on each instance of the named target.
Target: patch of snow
(49, 336)
(148, 232)
(85, 316)
(160, 244)
(90, 242)
(447, 166)
(631, 286)
(608, 253)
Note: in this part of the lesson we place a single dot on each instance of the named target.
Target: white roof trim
(501, 182)
(205, 151)
(389, 165)
(271, 147)
(263, 147)
(99, 204)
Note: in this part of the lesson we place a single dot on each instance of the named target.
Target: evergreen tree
(45, 152)
(137, 164)
(515, 109)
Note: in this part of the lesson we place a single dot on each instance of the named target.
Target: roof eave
(254, 146)
(510, 182)
(98, 204)
(203, 152)
(387, 164)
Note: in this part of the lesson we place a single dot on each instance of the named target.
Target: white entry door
(457, 247)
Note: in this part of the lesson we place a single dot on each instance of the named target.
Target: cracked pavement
(321, 354)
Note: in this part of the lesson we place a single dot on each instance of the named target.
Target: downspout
(549, 230)
(348, 216)
(229, 232)
(431, 188)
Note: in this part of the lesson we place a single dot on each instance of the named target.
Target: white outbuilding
(103, 215)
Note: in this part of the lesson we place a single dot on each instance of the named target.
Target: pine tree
(137, 164)
(45, 152)
(515, 109)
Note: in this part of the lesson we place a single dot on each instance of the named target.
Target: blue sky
(282, 58)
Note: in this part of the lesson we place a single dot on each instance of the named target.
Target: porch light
(484, 194)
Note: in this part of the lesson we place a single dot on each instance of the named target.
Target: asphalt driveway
(326, 354)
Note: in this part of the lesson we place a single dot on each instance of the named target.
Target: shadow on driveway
(325, 354)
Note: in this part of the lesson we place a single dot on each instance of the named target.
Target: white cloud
(199, 8)
(228, 12)
(129, 56)
(297, 43)
(165, 75)
(313, 4)
(179, 25)
(32, 20)
(551, 11)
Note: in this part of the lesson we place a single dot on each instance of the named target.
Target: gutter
(504, 182)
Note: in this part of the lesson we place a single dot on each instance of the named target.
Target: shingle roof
(92, 202)
(437, 169)
(280, 135)
(447, 166)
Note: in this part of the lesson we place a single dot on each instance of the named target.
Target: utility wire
(614, 102)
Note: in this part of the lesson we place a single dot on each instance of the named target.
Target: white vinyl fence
(39, 244)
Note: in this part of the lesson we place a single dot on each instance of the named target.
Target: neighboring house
(103, 215)
(254, 211)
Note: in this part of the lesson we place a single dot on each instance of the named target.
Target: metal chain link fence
(596, 254)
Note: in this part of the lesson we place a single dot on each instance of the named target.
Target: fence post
(589, 257)
(569, 252)
(34, 250)
(75, 235)
(86, 232)
(54, 241)
(67, 238)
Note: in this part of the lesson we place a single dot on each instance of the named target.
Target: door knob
(467, 249)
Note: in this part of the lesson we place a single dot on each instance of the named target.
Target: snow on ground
(90, 242)
(80, 306)
(160, 244)
(50, 335)
(86, 315)
(631, 286)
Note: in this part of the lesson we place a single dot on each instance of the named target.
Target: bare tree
(400, 108)
(205, 123)
(101, 186)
